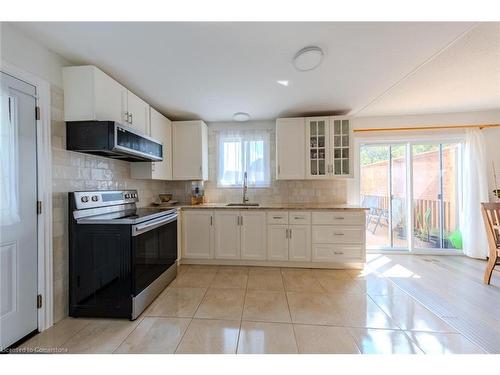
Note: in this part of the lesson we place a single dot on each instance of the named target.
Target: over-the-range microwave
(113, 140)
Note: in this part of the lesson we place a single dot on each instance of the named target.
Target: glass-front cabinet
(317, 140)
(328, 141)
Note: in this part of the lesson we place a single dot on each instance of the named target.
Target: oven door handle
(152, 224)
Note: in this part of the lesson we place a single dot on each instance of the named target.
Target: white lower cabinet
(289, 242)
(256, 235)
(198, 234)
(227, 234)
(299, 243)
(240, 235)
(253, 235)
(277, 242)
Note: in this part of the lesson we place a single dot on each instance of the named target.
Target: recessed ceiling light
(283, 83)
(241, 116)
(308, 58)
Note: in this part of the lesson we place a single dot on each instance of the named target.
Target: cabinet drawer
(337, 234)
(337, 253)
(338, 218)
(277, 217)
(299, 217)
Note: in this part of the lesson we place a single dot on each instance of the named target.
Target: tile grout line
(241, 316)
(290, 313)
(192, 317)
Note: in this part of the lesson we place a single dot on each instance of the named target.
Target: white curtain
(475, 191)
(9, 203)
(240, 151)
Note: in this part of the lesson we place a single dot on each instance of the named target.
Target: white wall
(23, 52)
(492, 135)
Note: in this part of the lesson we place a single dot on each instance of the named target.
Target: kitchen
(223, 211)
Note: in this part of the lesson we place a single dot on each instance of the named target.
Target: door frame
(44, 191)
(409, 139)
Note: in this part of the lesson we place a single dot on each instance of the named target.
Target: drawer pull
(277, 217)
(339, 218)
(338, 234)
(338, 252)
(298, 218)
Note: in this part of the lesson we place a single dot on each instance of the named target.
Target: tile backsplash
(280, 191)
(73, 171)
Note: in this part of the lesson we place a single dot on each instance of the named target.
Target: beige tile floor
(210, 309)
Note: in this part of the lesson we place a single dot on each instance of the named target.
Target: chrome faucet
(245, 188)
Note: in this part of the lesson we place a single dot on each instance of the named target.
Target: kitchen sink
(242, 204)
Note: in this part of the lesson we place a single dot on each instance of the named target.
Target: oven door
(154, 250)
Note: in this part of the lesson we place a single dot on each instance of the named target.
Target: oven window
(153, 252)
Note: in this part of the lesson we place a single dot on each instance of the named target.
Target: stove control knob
(85, 199)
(127, 196)
(134, 195)
(95, 198)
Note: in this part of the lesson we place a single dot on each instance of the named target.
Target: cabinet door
(197, 234)
(253, 235)
(277, 242)
(161, 129)
(139, 113)
(110, 99)
(340, 146)
(299, 241)
(318, 163)
(290, 149)
(190, 150)
(227, 234)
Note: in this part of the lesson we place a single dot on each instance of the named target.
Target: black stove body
(120, 256)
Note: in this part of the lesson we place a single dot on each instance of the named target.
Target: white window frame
(241, 138)
(409, 141)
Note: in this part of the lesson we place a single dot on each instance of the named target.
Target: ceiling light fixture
(308, 58)
(283, 83)
(241, 116)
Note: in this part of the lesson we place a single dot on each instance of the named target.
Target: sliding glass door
(383, 190)
(411, 185)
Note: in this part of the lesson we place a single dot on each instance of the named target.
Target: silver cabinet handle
(338, 234)
(286, 233)
(211, 220)
(298, 218)
(290, 233)
(131, 118)
(238, 220)
(241, 218)
(279, 170)
(339, 218)
(277, 217)
(127, 116)
(338, 252)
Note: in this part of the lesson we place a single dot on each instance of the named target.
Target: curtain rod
(436, 127)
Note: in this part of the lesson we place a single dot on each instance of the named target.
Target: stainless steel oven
(121, 256)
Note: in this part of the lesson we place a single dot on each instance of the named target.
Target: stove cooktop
(134, 216)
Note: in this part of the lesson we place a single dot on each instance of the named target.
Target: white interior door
(18, 221)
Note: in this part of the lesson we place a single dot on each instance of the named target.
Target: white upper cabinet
(190, 150)
(340, 146)
(328, 147)
(317, 146)
(92, 95)
(290, 150)
(161, 129)
(138, 111)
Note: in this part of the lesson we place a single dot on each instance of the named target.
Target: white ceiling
(212, 70)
